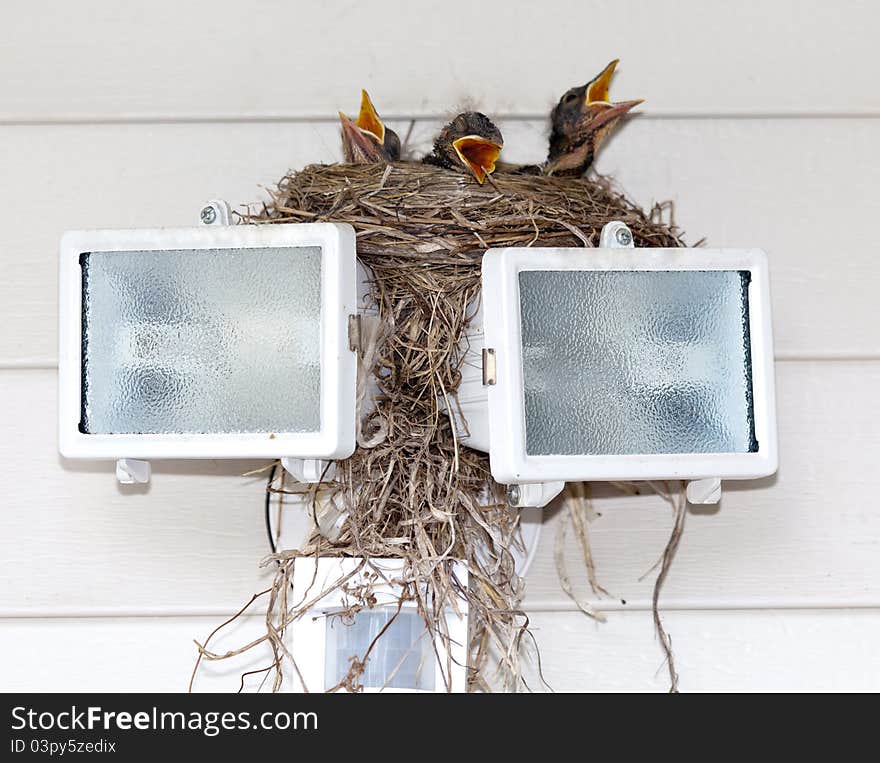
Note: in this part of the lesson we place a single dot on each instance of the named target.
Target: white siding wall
(762, 123)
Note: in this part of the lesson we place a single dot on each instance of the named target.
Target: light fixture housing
(211, 342)
(628, 364)
(404, 658)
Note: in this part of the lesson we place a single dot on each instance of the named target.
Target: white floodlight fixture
(617, 363)
(401, 654)
(222, 341)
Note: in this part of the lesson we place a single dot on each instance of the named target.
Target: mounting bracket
(215, 212)
(309, 470)
(533, 494)
(132, 471)
(705, 491)
(616, 235)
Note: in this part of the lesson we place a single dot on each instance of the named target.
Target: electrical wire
(268, 508)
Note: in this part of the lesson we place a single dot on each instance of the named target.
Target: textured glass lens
(201, 341)
(403, 658)
(641, 362)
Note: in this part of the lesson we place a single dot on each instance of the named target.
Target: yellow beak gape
(368, 120)
(597, 90)
(478, 153)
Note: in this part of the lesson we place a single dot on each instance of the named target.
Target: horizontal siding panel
(73, 541)
(93, 60)
(818, 650)
(735, 651)
(136, 654)
(802, 189)
(71, 537)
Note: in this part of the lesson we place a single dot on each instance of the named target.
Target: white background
(762, 122)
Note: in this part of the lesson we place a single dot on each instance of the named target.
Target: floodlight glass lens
(201, 341)
(636, 362)
(402, 658)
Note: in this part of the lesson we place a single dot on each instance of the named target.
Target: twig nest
(414, 210)
(410, 490)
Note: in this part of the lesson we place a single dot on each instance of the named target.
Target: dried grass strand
(679, 505)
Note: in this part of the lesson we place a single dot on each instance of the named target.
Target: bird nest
(411, 490)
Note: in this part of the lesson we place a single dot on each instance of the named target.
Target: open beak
(598, 109)
(597, 89)
(359, 146)
(603, 113)
(368, 120)
(478, 154)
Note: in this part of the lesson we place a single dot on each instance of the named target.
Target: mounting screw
(624, 236)
(208, 215)
(513, 495)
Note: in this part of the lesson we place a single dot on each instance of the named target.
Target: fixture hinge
(489, 369)
(354, 333)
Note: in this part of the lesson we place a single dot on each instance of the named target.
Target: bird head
(581, 120)
(367, 140)
(471, 143)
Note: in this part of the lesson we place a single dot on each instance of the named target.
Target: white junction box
(404, 656)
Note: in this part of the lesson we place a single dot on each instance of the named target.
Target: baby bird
(581, 120)
(367, 140)
(469, 143)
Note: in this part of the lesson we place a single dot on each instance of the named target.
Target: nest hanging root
(411, 490)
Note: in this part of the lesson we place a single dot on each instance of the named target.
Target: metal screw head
(513, 495)
(624, 236)
(208, 215)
